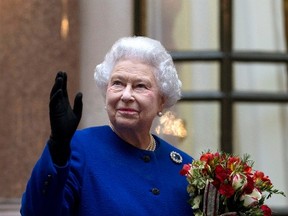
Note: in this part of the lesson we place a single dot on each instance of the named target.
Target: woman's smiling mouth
(127, 111)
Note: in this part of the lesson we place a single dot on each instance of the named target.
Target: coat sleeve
(47, 191)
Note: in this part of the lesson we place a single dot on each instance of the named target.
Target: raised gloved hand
(63, 119)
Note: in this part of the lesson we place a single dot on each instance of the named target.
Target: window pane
(260, 77)
(199, 76)
(201, 121)
(261, 131)
(258, 25)
(173, 23)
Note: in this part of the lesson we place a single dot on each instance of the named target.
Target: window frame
(227, 97)
(226, 57)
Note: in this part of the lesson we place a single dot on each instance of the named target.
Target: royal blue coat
(107, 176)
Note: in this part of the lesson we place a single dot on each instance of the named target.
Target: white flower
(196, 202)
(239, 181)
(251, 199)
(198, 213)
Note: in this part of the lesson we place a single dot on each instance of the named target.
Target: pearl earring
(159, 113)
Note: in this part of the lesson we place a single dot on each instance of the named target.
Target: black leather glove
(63, 120)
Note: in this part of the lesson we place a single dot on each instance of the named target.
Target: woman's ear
(161, 104)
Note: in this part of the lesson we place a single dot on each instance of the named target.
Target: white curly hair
(149, 51)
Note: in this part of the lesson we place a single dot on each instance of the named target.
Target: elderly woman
(120, 169)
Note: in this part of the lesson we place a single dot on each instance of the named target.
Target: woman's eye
(116, 82)
(141, 85)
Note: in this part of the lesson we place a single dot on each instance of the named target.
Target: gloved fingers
(64, 84)
(78, 105)
(55, 100)
(57, 86)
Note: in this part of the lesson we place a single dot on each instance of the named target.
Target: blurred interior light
(64, 21)
(170, 125)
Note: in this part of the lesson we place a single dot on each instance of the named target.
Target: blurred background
(231, 56)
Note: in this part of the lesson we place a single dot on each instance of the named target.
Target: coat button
(155, 191)
(146, 158)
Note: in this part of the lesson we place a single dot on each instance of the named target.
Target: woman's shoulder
(91, 135)
(93, 130)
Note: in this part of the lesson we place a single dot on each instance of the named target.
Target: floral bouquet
(223, 184)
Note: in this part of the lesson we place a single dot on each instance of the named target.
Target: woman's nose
(127, 94)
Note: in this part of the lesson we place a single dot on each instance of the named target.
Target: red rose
(226, 190)
(266, 210)
(185, 170)
(222, 174)
(249, 187)
(207, 157)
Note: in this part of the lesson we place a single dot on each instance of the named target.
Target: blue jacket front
(107, 176)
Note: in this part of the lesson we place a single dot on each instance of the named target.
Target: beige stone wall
(31, 52)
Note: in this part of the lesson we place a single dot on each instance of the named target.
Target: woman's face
(133, 98)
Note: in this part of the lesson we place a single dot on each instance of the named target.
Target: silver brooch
(176, 157)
